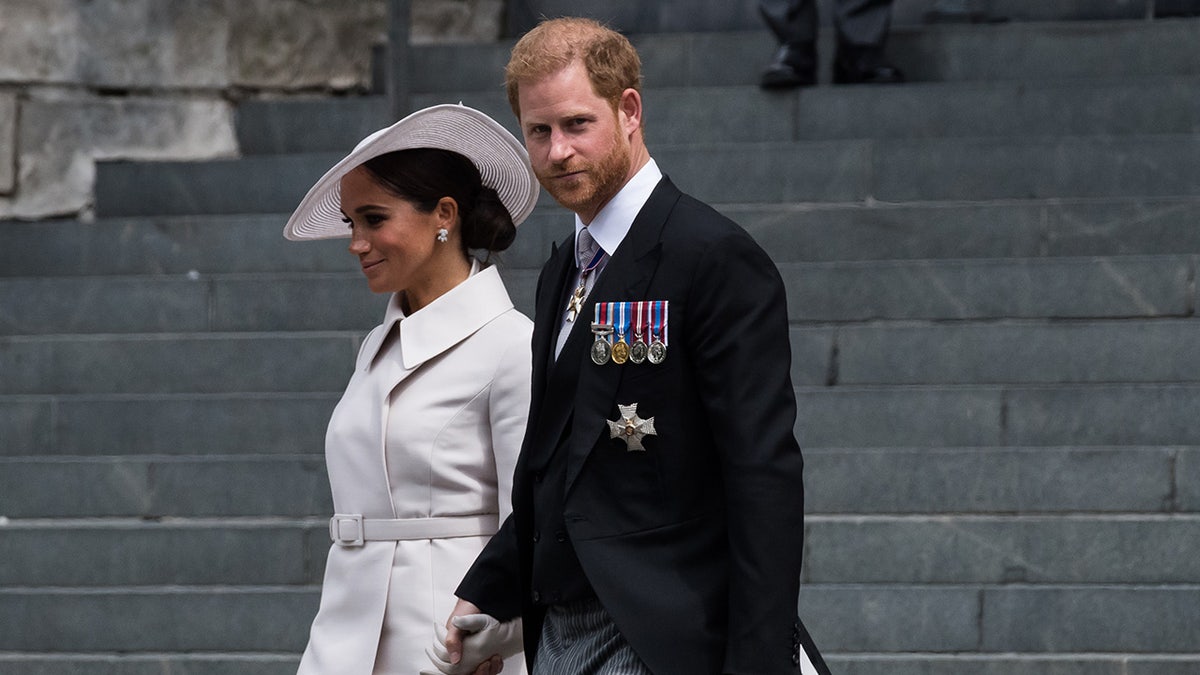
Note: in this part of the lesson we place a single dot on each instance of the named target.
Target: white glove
(485, 637)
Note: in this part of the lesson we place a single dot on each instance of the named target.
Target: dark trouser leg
(862, 29)
(794, 23)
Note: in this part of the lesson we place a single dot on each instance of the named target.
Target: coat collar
(443, 323)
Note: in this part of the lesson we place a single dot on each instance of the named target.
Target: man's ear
(629, 110)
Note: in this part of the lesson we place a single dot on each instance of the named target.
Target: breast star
(631, 428)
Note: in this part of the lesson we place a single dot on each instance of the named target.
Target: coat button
(536, 537)
(538, 476)
(537, 597)
(560, 536)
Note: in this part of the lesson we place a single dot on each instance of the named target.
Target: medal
(657, 351)
(575, 303)
(631, 428)
(637, 351)
(601, 351)
(620, 350)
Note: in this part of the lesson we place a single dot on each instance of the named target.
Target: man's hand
(466, 620)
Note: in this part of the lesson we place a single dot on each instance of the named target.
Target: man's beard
(596, 186)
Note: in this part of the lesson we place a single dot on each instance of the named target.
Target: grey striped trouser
(580, 638)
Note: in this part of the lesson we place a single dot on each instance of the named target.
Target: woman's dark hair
(424, 175)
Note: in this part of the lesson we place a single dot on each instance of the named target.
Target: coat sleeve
(742, 360)
(508, 410)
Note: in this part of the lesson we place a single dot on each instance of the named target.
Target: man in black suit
(861, 26)
(658, 500)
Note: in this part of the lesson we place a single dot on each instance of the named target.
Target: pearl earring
(443, 234)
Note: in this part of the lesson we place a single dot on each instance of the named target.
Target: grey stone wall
(82, 80)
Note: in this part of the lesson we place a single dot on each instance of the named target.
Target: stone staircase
(992, 285)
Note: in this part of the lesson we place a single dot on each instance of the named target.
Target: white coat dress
(429, 427)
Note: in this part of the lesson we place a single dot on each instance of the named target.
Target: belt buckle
(335, 530)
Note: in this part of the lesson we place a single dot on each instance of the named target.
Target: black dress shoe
(864, 65)
(793, 66)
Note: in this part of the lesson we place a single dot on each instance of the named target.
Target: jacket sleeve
(493, 582)
(742, 354)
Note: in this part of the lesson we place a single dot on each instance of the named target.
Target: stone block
(61, 138)
(1187, 480)
(308, 125)
(1141, 351)
(812, 355)
(1137, 619)
(897, 417)
(293, 44)
(259, 184)
(884, 618)
(718, 115)
(1002, 549)
(101, 305)
(1132, 414)
(254, 424)
(29, 488)
(135, 555)
(39, 42)
(989, 289)
(296, 303)
(8, 141)
(990, 480)
(980, 664)
(141, 44)
(168, 364)
(297, 486)
(26, 425)
(222, 619)
(1111, 227)
(164, 487)
(456, 21)
(750, 172)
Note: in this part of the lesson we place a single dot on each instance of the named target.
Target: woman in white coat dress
(422, 445)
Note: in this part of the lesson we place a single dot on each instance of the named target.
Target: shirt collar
(449, 319)
(612, 223)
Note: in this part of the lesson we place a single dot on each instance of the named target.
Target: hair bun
(489, 225)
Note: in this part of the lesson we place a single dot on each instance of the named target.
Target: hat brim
(501, 159)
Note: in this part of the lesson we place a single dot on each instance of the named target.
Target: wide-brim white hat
(500, 158)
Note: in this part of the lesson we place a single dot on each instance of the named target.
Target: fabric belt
(353, 530)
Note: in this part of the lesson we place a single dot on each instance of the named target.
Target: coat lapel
(577, 389)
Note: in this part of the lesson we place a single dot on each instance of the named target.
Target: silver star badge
(631, 428)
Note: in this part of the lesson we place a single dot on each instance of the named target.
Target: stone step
(831, 171)
(888, 353)
(1004, 664)
(1122, 549)
(1003, 619)
(746, 113)
(166, 363)
(1000, 416)
(191, 246)
(165, 424)
(919, 550)
(895, 481)
(149, 664)
(132, 553)
(158, 619)
(950, 53)
(840, 662)
(165, 487)
(716, 15)
(827, 417)
(847, 618)
(1123, 287)
(1017, 352)
(982, 480)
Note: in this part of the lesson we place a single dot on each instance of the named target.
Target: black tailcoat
(694, 545)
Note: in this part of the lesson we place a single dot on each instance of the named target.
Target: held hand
(473, 643)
